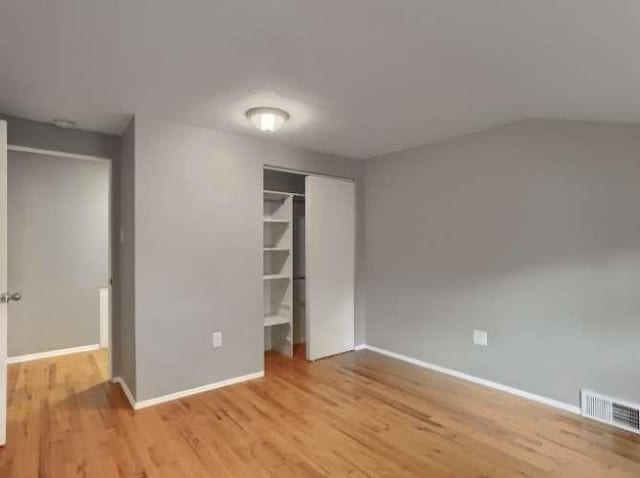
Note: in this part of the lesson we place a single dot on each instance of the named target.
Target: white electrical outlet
(480, 337)
(217, 339)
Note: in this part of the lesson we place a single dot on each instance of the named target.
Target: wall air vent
(618, 413)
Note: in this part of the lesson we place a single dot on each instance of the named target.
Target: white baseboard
(184, 393)
(52, 353)
(360, 347)
(481, 381)
(126, 390)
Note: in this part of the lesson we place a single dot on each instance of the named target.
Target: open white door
(3, 282)
(330, 266)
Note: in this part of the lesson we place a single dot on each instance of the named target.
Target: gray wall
(198, 256)
(531, 232)
(124, 364)
(58, 219)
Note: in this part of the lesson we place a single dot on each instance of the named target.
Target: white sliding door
(330, 266)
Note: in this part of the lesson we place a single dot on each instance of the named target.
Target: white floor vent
(608, 410)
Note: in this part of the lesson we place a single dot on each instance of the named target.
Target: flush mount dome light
(63, 123)
(267, 119)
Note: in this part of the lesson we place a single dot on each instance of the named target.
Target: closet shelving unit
(278, 271)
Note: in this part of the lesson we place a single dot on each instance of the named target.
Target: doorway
(58, 222)
(55, 268)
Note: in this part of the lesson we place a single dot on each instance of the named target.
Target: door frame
(110, 258)
(355, 179)
(4, 345)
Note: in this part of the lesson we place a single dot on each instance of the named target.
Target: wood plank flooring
(359, 414)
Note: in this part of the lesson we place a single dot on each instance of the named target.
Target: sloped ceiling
(359, 77)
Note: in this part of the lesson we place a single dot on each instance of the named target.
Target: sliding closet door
(330, 266)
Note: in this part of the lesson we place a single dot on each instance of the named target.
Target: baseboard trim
(52, 353)
(184, 393)
(360, 347)
(481, 381)
(126, 390)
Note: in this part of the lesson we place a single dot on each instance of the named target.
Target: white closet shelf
(276, 276)
(275, 195)
(270, 320)
(270, 220)
(276, 249)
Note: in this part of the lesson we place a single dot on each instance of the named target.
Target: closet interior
(284, 261)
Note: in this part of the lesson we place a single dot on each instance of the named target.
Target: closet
(308, 253)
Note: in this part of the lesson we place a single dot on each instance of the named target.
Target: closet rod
(267, 191)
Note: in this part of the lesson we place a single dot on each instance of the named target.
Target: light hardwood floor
(359, 414)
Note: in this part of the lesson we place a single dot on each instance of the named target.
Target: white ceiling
(359, 77)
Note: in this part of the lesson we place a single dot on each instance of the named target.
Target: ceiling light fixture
(267, 119)
(63, 123)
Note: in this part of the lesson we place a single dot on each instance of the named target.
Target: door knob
(6, 297)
